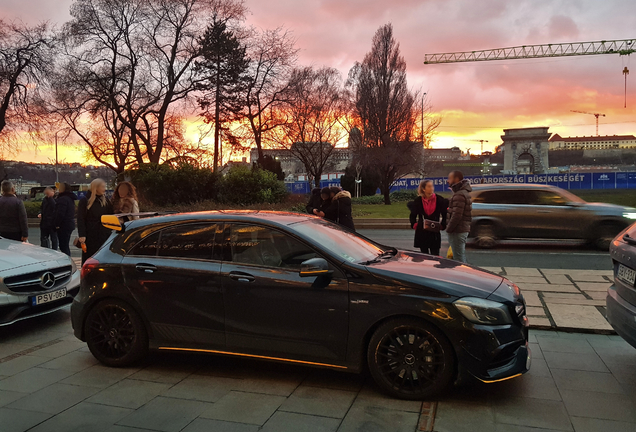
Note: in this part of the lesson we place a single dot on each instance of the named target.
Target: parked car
(621, 297)
(34, 281)
(296, 288)
(527, 211)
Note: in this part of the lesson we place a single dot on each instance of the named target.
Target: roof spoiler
(115, 223)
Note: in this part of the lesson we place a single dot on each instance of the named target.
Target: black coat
(64, 211)
(423, 238)
(89, 224)
(47, 213)
(339, 211)
(315, 201)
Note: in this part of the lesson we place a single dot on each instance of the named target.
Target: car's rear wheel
(410, 359)
(115, 333)
(604, 235)
(485, 237)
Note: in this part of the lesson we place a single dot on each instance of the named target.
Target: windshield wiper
(389, 253)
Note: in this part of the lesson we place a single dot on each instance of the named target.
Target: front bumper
(621, 315)
(14, 308)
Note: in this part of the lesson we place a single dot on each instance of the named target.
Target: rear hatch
(623, 253)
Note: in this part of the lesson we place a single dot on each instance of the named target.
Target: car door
(270, 309)
(510, 207)
(557, 217)
(174, 274)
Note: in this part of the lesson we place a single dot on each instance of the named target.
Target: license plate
(626, 274)
(48, 297)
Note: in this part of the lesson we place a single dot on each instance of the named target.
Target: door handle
(242, 277)
(146, 268)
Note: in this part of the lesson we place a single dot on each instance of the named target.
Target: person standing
(459, 214)
(315, 201)
(90, 210)
(48, 236)
(125, 200)
(13, 217)
(65, 216)
(339, 211)
(430, 207)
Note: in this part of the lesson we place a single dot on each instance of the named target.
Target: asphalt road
(509, 254)
(566, 255)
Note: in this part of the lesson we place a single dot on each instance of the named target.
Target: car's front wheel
(605, 233)
(410, 359)
(115, 333)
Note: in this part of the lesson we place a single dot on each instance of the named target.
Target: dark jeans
(430, 251)
(17, 236)
(48, 238)
(64, 238)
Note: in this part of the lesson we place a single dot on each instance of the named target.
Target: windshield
(346, 244)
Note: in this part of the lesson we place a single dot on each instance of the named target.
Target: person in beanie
(48, 236)
(65, 217)
(459, 214)
(429, 207)
(315, 201)
(13, 217)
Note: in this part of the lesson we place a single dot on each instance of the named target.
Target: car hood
(429, 272)
(17, 254)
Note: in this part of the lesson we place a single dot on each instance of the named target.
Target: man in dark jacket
(65, 217)
(315, 201)
(13, 217)
(48, 236)
(459, 214)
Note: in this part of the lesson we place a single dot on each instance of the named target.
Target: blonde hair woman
(432, 208)
(91, 208)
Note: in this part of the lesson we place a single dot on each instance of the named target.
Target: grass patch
(624, 197)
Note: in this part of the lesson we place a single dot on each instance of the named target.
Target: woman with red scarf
(428, 217)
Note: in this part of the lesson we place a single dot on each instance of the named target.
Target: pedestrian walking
(125, 200)
(48, 235)
(89, 218)
(459, 214)
(65, 216)
(13, 217)
(315, 201)
(339, 210)
(428, 218)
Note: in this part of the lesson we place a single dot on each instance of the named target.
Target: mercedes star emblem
(47, 280)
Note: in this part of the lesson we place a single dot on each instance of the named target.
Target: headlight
(482, 311)
(629, 215)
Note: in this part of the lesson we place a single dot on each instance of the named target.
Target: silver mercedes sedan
(528, 211)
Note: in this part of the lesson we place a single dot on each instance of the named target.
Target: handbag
(432, 226)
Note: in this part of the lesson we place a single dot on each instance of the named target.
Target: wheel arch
(132, 304)
(487, 220)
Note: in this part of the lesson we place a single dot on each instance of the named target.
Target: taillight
(89, 265)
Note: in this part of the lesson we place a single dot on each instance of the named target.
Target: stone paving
(50, 382)
(563, 299)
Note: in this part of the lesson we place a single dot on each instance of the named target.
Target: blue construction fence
(595, 180)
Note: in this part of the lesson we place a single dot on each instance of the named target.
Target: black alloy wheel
(410, 359)
(115, 333)
(605, 234)
(484, 235)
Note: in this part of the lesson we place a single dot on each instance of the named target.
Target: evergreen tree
(223, 68)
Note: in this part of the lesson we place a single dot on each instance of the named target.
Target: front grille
(32, 282)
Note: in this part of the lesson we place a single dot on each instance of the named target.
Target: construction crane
(597, 115)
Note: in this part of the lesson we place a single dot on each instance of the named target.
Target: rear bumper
(621, 315)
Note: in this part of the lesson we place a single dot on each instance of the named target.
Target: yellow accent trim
(253, 356)
(111, 222)
(312, 272)
(499, 380)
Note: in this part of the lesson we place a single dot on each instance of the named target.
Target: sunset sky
(476, 100)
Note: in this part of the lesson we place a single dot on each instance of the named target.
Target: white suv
(34, 281)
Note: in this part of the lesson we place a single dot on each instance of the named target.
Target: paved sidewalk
(572, 300)
(49, 382)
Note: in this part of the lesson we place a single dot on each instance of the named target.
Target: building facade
(526, 150)
(558, 142)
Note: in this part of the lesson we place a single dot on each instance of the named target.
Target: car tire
(484, 236)
(410, 359)
(116, 334)
(604, 235)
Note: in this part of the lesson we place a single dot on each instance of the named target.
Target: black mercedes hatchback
(295, 288)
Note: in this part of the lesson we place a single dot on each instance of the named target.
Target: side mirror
(314, 267)
(111, 222)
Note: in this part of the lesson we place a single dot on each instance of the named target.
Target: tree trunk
(386, 192)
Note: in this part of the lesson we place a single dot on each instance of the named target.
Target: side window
(549, 198)
(193, 241)
(504, 196)
(147, 247)
(256, 245)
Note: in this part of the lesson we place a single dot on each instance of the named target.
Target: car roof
(269, 217)
(521, 186)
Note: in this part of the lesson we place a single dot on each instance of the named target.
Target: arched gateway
(526, 150)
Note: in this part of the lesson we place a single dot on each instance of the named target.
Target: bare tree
(136, 60)
(272, 56)
(313, 112)
(386, 113)
(24, 63)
